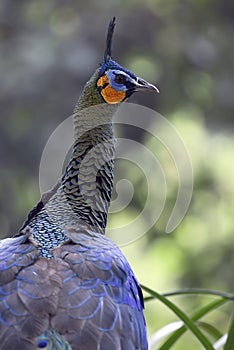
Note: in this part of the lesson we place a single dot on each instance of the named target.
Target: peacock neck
(84, 196)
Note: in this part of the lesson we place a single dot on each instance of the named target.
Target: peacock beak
(141, 84)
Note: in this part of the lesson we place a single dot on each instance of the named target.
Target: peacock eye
(120, 79)
(42, 344)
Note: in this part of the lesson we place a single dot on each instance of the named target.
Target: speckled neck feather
(84, 195)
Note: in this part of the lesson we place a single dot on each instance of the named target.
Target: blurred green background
(48, 51)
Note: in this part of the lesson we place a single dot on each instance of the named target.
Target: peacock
(63, 283)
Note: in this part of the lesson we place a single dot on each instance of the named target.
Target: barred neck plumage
(84, 194)
(88, 180)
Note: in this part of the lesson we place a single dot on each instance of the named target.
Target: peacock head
(116, 83)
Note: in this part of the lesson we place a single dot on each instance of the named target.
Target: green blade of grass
(230, 339)
(217, 293)
(182, 315)
(210, 329)
(196, 316)
(196, 291)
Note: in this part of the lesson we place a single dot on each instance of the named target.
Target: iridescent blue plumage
(111, 64)
(84, 289)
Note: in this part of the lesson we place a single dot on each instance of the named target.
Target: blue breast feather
(89, 280)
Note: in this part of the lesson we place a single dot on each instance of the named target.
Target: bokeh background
(48, 50)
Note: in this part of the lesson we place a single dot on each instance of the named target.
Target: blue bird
(63, 284)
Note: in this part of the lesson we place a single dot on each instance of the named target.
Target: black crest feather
(107, 54)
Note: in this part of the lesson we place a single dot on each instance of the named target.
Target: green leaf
(230, 339)
(196, 316)
(196, 291)
(182, 315)
(210, 329)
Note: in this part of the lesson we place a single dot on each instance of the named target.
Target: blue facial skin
(111, 75)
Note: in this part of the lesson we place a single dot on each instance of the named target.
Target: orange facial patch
(109, 94)
(112, 96)
(102, 81)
